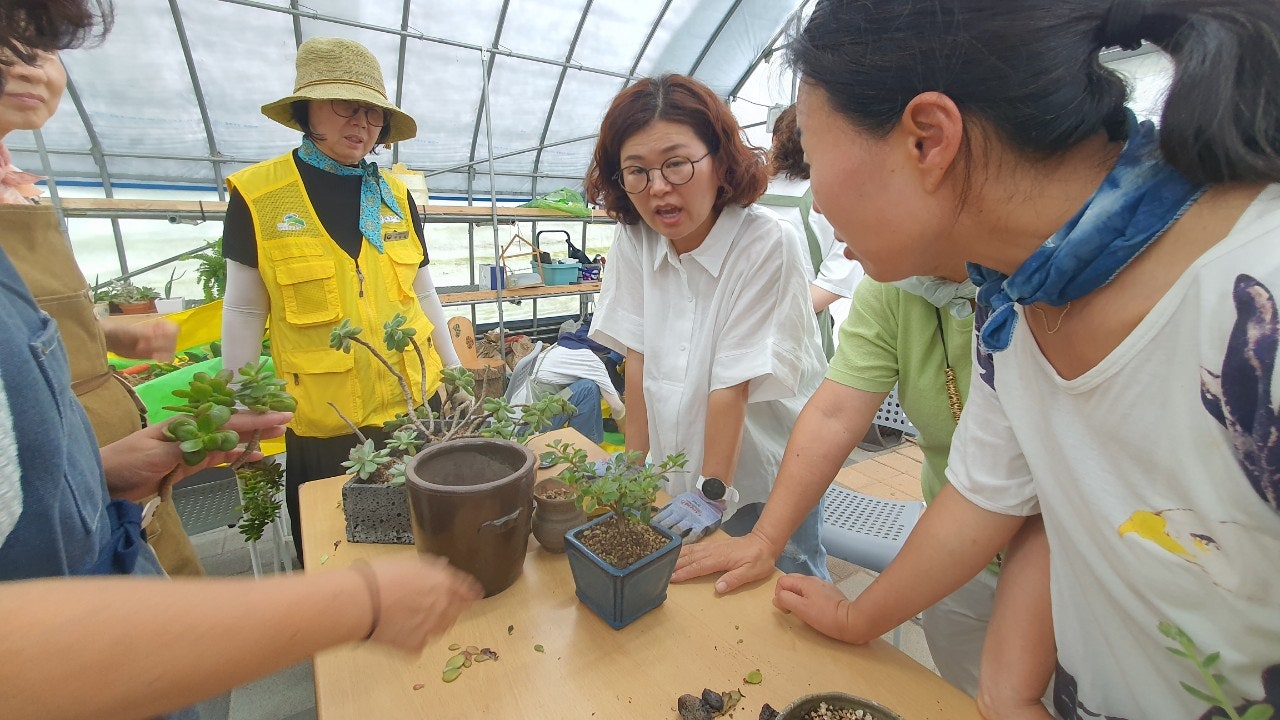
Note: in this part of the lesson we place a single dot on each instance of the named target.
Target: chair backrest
(523, 370)
(865, 530)
(463, 335)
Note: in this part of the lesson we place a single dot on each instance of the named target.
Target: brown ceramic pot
(470, 502)
(554, 516)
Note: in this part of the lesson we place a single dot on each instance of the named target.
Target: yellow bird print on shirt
(1227, 551)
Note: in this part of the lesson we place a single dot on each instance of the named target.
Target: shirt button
(690, 298)
(682, 347)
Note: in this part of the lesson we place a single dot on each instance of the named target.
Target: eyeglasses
(676, 170)
(376, 116)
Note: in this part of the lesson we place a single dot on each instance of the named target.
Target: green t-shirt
(891, 337)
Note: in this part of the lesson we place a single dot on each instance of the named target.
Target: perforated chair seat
(866, 531)
(208, 500)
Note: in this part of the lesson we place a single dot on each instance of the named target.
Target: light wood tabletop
(586, 669)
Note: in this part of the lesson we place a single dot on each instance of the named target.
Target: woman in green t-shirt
(916, 335)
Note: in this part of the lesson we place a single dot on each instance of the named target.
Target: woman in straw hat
(317, 235)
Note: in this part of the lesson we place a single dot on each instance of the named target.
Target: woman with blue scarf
(318, 235)
(1124, 385)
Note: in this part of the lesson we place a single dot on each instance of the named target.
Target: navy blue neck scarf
(1137, 201)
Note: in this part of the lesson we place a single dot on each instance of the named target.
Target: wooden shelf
(213, 210)
(487, 296)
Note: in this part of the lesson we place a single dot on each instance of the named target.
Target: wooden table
(694, 640)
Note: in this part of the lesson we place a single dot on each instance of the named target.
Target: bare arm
(1019, 654)
(821, 298)
(90, 648)
(726, 413)
(638, 429)
(245, 307)
(829, 427)
(953, 541)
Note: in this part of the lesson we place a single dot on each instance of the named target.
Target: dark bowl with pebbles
(836, 706)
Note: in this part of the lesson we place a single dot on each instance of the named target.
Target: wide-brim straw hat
(340, 69)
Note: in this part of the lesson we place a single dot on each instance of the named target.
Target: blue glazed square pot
(621, 596)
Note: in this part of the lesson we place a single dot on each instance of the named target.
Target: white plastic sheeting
(178, 83)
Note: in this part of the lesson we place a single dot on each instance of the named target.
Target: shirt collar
(712, 252)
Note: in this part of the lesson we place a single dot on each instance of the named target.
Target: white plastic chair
(211, 499)
(867, 531)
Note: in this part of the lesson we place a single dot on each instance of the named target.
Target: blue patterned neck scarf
(1137, 201)
(374, 190)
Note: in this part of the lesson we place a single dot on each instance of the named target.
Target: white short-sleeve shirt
(837, 273)
(1158, 476)
(734, 310)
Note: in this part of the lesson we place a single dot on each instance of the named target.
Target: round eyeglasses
(676, 170)
(376, 116)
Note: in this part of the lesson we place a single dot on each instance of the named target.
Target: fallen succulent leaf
(418, 686)
(511, 629)
(455, 647)
(480, 657)
(753, 678)
(324, 559)
(455, 661)
(539, 648)
(466, 661)
(731, 699)
(451, 674)
(472, 649)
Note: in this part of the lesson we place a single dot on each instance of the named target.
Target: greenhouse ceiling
(172, 96)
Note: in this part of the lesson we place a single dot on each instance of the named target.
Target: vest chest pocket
(405, 256)
(310, 290)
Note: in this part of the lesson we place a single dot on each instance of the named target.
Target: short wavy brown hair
(679, 99)
(786, 157)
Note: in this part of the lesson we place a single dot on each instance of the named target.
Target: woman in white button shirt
(707, 296)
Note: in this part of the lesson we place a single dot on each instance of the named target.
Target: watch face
(713, 489)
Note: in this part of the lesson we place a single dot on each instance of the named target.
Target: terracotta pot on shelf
(141, 307)
(553, 517)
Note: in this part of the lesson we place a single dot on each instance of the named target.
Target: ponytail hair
(1030, 72)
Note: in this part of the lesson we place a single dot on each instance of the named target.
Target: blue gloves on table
(691, 516)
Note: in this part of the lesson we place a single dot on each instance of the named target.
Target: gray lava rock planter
(376, 513)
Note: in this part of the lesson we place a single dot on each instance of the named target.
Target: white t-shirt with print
(734, 310)
(1158, 474)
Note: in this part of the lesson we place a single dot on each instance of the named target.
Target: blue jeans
(803, 554)
(585, 396)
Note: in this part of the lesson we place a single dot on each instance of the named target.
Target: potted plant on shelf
(621, 562)
(125, 298)
(169, 303)
(474, 479)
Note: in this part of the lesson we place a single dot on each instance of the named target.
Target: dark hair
(786, 156)
(301, 111)
(678, 99)
(1030, 71)
(27, 25)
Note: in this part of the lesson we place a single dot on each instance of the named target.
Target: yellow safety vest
(314, 284)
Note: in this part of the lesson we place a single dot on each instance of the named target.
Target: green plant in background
(173, 276)
(211, 273)
(625, 483)
(461, 414)
(261, 483)
(1216, 694)
(123, 291)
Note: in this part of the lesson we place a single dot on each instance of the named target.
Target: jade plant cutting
(209, 402)
(461, 413)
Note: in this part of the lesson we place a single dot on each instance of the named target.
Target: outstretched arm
(1020, 654)
(90, 648)
(832, 423)
(953, 541)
